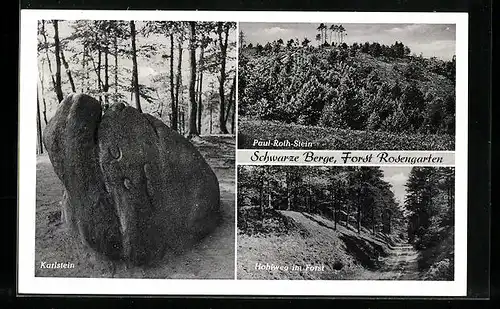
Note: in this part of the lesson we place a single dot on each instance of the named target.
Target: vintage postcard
(352, 86)
(242, 153)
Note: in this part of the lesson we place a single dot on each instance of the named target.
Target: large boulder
(70, 139)
(167, 196)
(135, 188)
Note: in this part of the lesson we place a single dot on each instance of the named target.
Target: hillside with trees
(346, 218)
(180, 72)
(365, 86)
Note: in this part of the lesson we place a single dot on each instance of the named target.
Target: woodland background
(347, 217)
(181, 72)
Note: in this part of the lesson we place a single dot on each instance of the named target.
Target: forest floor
(250, 129)
(212, 258)
(318, 251)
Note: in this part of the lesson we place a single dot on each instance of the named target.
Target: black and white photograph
(345, 223)
(189, 153)
(135, 164)
(341, 86)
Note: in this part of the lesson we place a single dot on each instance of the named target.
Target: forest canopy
(181, 72)
(361, 86)
(430, 207)
(357, 196)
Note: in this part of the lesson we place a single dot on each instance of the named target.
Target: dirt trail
(400, 264)
(212, 258)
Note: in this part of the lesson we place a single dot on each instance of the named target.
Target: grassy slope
(211, 258)
(338, 139)
(344, 253)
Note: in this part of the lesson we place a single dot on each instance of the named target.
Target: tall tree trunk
(87, 71)
(160, 106)
(115, 45)
(135, 77)
(106, 72)
(200, 88)
(335, 217)
(42, 94)
(183, 123)
(84, 68)
(222, 79)
(98, 70)
(233, 115)
(39, 124)
(68, 71)
(46, 43)
(173, 116)
(229, 108)
(58, 86)
(198, 99)
(179, 72)
(231, 94)
(193, 129)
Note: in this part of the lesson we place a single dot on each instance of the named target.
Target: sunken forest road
(400, 264)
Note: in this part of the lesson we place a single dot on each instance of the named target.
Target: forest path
(400, 264)
(212, 258)
(345, 253)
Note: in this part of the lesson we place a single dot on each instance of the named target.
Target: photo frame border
(28, 284)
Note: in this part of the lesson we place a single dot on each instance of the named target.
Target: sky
(432, 40)
(397, 177)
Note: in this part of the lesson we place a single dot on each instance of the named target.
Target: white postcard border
(29, 284)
